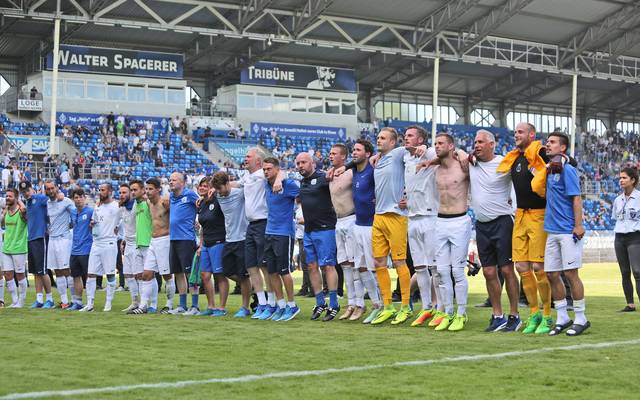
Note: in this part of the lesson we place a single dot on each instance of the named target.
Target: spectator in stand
(34, 92)
(111, 119)
(6, 176)
(17, 176)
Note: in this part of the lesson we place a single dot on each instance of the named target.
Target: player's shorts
(58, 253)
(494, 241)
(211, 258)
(37, 250)
(529, 237)
(278, 251)
(344, 239)
(422, 243)
(389, 236)
(233, 260)
(79, 265)
(102, 258)
(130, 264)
(254, 244)
(1, 247)
(157, 258)
(562, 252)
(362, 250)
(141, 257)
(181, 254)
(14, 262)
(453, 236)
(320, 247)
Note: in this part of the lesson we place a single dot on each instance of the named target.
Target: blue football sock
(333, 299)
(320, 299)
(194, 300)
(183, 301)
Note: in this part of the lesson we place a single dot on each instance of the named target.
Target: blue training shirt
(561, 189)
(37, 216)
(182, 215)
(82, 238)
(364, 195)
(281, 209)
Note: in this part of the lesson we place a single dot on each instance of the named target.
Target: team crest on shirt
(519, 168)
(357, 185)
(314, 181)
(184, 200)
(211, 207)
(556, 177)
(84, 217)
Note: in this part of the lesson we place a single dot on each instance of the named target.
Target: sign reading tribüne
(299, 76)
(99, 60)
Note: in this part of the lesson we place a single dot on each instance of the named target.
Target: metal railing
(208, 109)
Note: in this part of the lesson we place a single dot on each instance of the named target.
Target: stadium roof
(512, 51)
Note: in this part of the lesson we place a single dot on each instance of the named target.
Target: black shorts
(181, 254)
(254, 244)
(79, 265)
(233, 259)
(278, 251)
(494, 241)
(37, 250)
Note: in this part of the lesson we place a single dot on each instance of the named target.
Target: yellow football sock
(384, 280)
(545, 292)
(405, 283)
(530, 288)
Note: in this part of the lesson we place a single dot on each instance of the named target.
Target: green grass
(59, 350)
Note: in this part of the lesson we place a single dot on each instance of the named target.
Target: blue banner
(300, 76)
(258, 128)
(98, 60)
(76, 119)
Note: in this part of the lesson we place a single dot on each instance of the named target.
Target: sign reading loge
(299, 76)
(258, 128)
(98, 60)
(29, 105)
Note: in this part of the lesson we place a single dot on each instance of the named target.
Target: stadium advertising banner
(30, 144)
(98, 60)
(258, 128)
(299, 76)
(64, 118)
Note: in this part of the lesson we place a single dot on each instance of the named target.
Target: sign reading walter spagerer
(100, 60)
(299, 76)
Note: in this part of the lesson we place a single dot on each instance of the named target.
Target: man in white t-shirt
(6, 173)
(491, 201)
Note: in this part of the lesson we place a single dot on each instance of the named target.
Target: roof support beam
(441, 19)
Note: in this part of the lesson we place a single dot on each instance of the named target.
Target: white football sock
(579, 308)
(461, 289)
(170, 288)
(133, 289)
(145, 293)
(271, 299)
(91, 290)
(282, 303)
(111, 289)
(154, 293)
(359, 287)
(424, 284)
(369, 281)
(71, 286)
(22, 286)
(347, 272)
(262, 299)
(2, 281)
(11, 287)
(561, 311)
(62, 289)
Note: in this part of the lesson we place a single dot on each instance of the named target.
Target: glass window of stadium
(155, 94)
(626, 126)
(280, 103)
(47, 87)
(136, 93)
(74, 88)
(315, 104)
(482, 117)
(96, 90)
(332, 106)
(299, 103)
(348, 107)
(263, 101)
(116, 91)
(246, 100)
(544, 123)
(175, 95)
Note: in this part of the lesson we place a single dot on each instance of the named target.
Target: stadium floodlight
(104, 23)
(181, 31)
(130, 26)
(41, 18)
(151, 28)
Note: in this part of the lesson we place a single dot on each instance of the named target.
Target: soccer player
(492, 204)
(212, 237)
(129, 250)
(453, 233)
(104, 249)
(319, 235)
(14, 248)
(231, 202)
(342, 199)
(59, 211)
(182, 235)
(81, 246)
(156, 257)
(36, 227)
(279, 240)
(422, 205)
(529, 237)
(563, 224)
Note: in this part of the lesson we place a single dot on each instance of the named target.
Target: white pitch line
(297, 374)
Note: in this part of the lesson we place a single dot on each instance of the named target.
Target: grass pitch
(52, 350)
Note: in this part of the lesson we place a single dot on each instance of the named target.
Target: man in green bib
(143, 236)
(14, 249)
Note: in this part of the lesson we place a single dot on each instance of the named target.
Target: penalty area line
(319, 372)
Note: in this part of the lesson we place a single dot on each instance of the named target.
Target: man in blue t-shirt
(279, 240)
(563, 224)
(182, 236)
(36, 228)
(81, 246)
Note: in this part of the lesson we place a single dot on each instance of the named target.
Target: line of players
(358, 216)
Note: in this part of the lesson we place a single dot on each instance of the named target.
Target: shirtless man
(453, 232)
(157, 257)
(342, 199)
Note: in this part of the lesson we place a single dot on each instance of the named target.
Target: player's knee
(490, 273)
